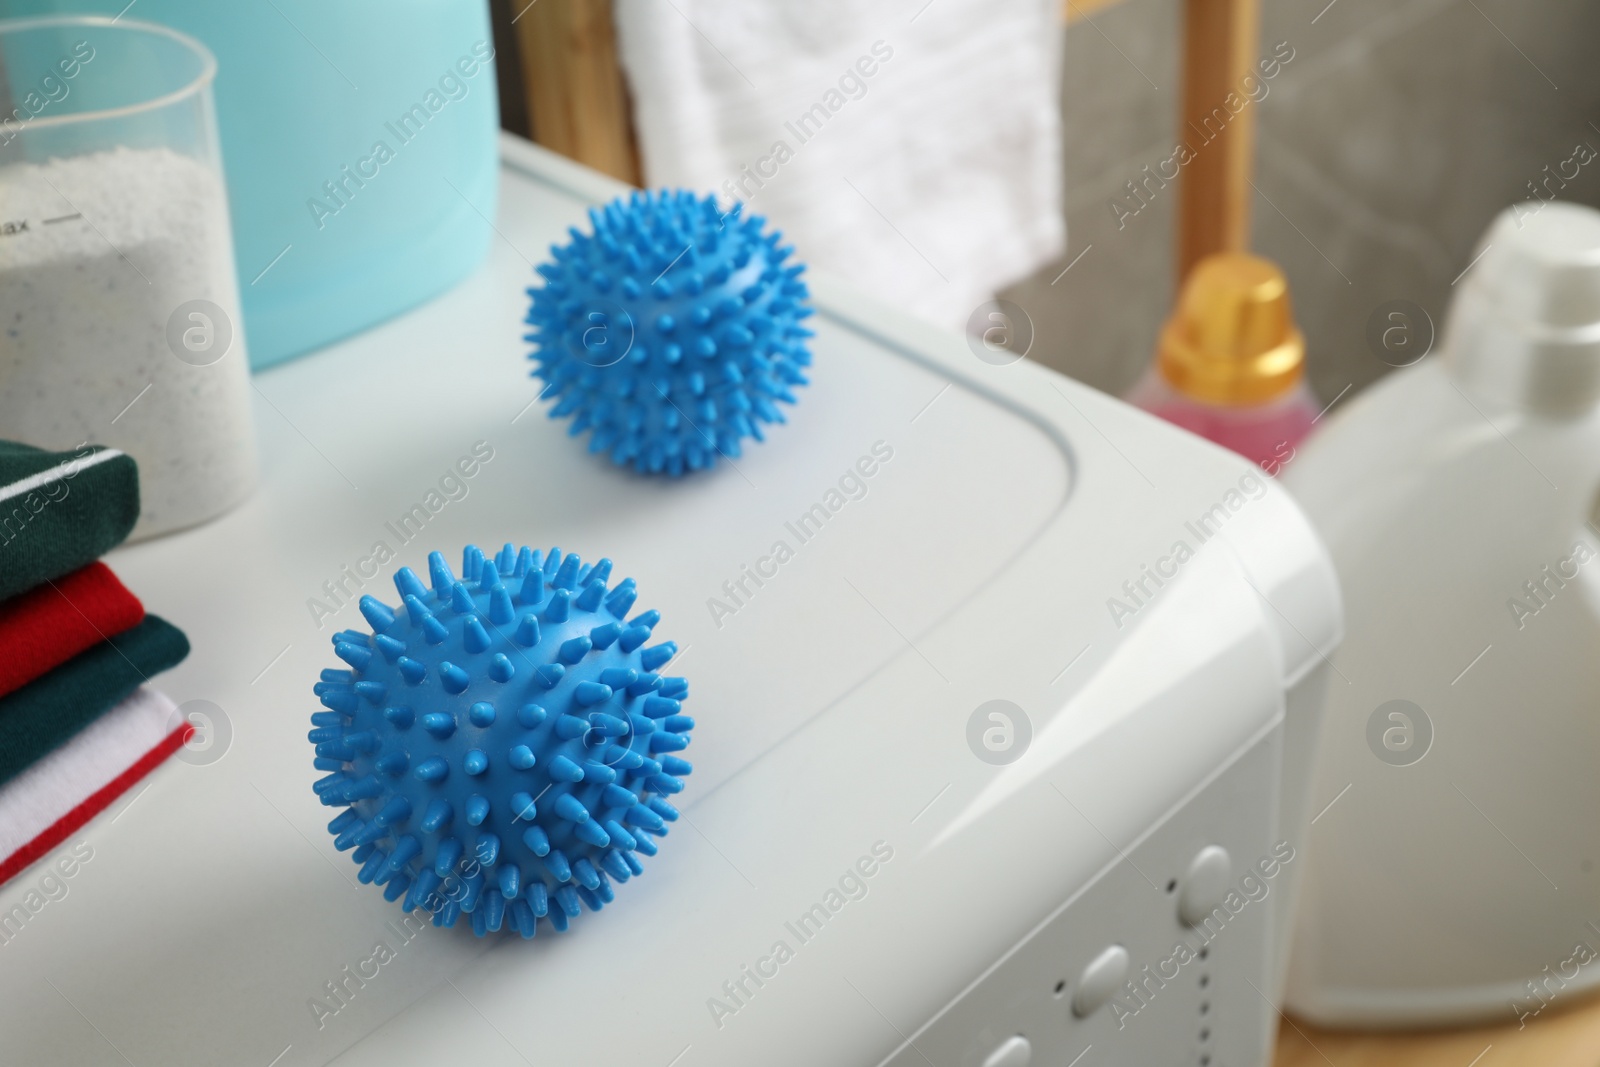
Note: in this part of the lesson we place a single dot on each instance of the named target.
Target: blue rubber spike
(501, 798)
(671, 332)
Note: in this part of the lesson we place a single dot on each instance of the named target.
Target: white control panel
(1166, 949)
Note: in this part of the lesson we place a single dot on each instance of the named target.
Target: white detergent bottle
(1452, 869)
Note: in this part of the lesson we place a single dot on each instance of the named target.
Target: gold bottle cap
(1232, 339)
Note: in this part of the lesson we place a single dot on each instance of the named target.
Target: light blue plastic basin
(306, 92)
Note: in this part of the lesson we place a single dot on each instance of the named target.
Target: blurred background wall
(1386, 145)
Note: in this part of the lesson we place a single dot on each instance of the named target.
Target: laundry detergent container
(359, 144)
(1454, 881)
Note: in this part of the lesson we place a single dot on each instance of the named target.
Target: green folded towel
(50, 709)
(61, 510)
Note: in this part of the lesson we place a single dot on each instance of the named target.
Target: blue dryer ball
(503, 743)
(671, 332)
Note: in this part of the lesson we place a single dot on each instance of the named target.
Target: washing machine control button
(1100, 980)
(1013, 1052)
(1205, 885)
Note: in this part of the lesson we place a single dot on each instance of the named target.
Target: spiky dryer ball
(504, 742)
(671, 332)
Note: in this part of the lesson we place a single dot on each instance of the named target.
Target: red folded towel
(51, 623)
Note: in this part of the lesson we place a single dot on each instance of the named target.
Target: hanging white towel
(913, 148)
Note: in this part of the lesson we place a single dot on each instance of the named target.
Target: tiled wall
(1386, 145)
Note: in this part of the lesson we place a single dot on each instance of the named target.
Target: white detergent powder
(101, 258)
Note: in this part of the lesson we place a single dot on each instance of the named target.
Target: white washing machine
(1001, 765)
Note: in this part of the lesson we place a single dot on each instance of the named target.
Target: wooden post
(1221, 42)
(577, 99)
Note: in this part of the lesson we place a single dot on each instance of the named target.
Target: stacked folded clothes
(78, 725)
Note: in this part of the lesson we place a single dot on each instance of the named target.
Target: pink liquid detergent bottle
(1231, 364)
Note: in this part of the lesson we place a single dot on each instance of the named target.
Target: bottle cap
(1525, 325)
(1232, 339)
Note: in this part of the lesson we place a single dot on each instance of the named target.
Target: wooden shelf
(577, 99)
(1560, 1036)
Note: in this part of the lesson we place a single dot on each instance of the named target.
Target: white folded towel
(67, 787)
(914, 148)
